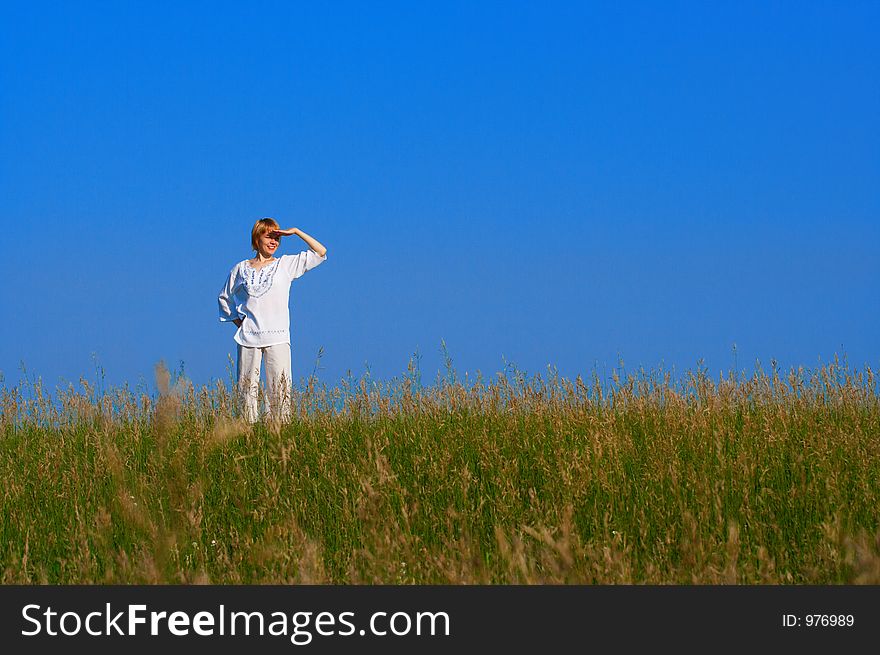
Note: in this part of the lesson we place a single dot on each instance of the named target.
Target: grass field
(767, 479)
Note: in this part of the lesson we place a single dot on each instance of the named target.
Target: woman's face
(267, 244)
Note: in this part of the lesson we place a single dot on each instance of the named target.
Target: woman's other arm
(226, 303)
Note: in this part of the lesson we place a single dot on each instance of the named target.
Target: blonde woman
(256, 298)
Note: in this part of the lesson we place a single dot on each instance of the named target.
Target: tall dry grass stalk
(770, 478)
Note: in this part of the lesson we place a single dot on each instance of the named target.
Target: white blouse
(260, 298)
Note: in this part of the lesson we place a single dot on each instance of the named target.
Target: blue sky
(539, 183)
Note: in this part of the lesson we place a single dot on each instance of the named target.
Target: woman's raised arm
(312, 242)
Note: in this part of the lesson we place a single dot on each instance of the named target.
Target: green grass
(762, 480)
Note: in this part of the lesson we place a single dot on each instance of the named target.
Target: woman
(256, 299)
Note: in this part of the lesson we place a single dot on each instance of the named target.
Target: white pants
(278, 380)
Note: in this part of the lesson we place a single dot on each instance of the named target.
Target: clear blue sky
(546, 183)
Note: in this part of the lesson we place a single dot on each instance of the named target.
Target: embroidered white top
(260, 298)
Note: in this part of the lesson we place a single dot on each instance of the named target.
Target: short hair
(261, 227)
